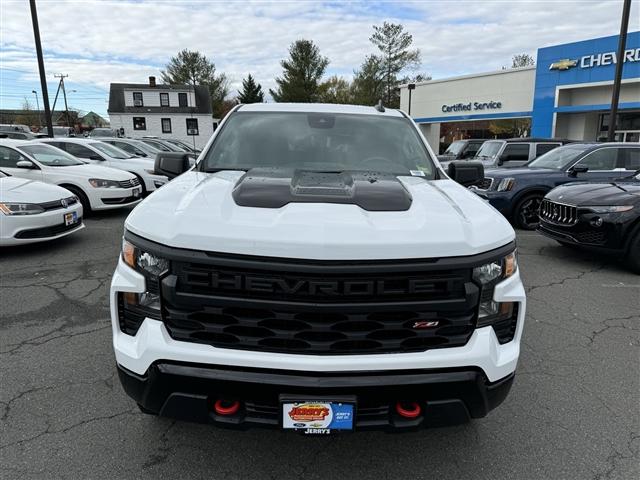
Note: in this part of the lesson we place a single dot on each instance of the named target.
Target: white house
(182, 112)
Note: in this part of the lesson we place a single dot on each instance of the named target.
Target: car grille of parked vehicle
(56, 204)
(48, 231)
(134, 182)
(558, 213)
(401, 307)
(485, 183)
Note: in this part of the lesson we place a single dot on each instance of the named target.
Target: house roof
(117, 104)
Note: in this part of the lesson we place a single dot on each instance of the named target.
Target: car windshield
(319, 142)
(111, 151)
(2, 174)
(50, 156)
(455, 148)
(559, 158)
(179, 144)
(489, 149)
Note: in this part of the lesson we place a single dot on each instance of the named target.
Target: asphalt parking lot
(574, 410)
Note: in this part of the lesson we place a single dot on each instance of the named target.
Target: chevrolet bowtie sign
(596, 60)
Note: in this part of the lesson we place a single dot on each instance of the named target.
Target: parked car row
(580, 194)
(507, 153)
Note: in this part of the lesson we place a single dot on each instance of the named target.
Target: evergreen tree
(193, 68)
(301, 74)
(368, 82)
(335, 90)
(395, 56)
(251, 91)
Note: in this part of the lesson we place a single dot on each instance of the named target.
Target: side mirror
(172, 164)
(466, 173)
(25, 164)
(576, 169)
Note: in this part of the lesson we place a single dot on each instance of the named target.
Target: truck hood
(197, 211)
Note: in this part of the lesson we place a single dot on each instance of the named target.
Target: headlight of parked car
(487, 277)
(609, 209)
(102, 183)
(506, 184)
(20, 208)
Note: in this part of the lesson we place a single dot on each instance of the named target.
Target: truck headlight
(487, 277)
(506, 184)
(133, 306)
(103, 183)
(20, 208)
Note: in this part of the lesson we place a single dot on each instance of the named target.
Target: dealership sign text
(467, 107)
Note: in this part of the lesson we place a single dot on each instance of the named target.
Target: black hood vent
(274, 188)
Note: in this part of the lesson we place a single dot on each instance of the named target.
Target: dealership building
(566, 95)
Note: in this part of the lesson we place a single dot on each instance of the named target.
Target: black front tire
(633, 255)
(525, 215)
(86, 205)
(146, 411)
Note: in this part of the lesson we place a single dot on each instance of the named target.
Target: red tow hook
(226, 407)
(408, 409)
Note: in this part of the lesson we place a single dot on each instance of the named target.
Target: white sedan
(100, 153)
(33, 211)
(98, 188)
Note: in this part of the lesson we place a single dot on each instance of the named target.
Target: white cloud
(115, 41)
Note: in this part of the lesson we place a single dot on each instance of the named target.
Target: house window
(137, 99)
(192, 126)
(164, 99)
(166, 125)
(182, 100)
(139, 123)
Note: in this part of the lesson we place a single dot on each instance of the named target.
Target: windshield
(179, 144)
(489, 149)
(50, 156)
(558, 158)
(455, 148)
(110, 150)
(2, 174)
(319, 142)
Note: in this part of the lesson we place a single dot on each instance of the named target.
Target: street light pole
(410, 87)
(38, 107)
(43, 78)
(615, 97)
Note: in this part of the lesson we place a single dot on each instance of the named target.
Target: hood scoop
(275, 188)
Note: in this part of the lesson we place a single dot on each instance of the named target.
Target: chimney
(152, 81)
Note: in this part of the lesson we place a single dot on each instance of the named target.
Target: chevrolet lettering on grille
(266, 284)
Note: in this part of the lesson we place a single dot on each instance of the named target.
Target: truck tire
(525, 215)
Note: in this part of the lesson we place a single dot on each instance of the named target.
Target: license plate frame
(70, 218)
(317, 415)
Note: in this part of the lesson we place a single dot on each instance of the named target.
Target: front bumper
(109, 198)
(49, 225)
(188, 392)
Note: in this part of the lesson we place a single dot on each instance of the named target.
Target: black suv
(460, 150)
(599, 216)
(518, 192)
(515, 152)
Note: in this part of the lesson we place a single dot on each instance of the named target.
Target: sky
(99, 42)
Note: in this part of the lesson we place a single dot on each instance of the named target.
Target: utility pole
(410, 87)
(43, 77)
(615, 97)
(38, 107)
(64, 95)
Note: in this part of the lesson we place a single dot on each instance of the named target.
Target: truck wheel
(86, 205)
(633, 255)
(525, 214)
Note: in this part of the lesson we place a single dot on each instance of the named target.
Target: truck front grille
(310, 309)
(558, 213)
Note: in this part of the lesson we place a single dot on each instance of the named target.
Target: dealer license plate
(317, 417)
(70, 218)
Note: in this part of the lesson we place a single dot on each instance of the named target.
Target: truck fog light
(596, 222)
(491, 312)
